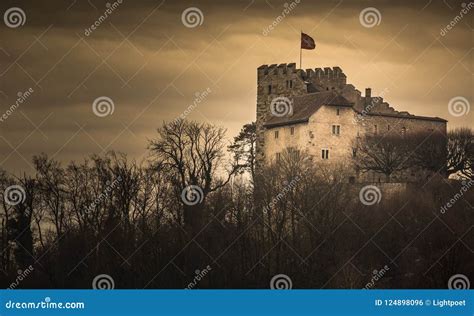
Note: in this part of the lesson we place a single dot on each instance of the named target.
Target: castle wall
(279, 77)
(285, 80)
(317, 134)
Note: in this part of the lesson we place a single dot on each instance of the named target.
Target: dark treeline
(187, 209)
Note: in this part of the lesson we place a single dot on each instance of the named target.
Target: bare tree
(51, 178)
(191, 153)
(386, 154)
(461, 152)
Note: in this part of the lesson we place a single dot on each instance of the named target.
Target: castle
(318, 112)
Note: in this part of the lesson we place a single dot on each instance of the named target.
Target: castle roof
(306, 105)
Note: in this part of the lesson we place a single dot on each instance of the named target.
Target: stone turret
(285, 80)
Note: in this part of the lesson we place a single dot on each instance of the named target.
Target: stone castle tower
(285, 80)
(327, 114)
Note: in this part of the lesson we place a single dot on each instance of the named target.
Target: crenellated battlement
(326, 73)
(276, 70)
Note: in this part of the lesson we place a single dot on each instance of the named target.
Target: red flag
(307, 42)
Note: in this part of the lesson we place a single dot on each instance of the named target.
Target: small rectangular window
(291, 84)
(269, 89)
(375, 129)
(325, 154)
(388, 127)
(354, 152)
(336, 129)
(278, 157)
(276, 134)
(404, 131)
(337, 112)
(292, 130)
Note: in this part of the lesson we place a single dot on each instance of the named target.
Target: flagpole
(301, 49)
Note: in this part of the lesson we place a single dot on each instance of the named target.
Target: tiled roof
(304, 106)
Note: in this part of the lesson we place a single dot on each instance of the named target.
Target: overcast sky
(151, 65)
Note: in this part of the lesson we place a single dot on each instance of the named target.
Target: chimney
(368, 92)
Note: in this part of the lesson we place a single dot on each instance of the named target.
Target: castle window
(325, 154)
(404, 131)
(354, 152)
(388, 127)
(276, 134)
(375, 129)
(291, 83)
(269, 89)
(336, 129)
(278, 157)
(337, 111)
(292, 130)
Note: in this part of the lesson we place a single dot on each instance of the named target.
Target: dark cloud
(151, 65)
